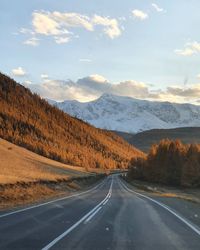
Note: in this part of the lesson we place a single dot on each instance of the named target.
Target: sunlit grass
(18, 164)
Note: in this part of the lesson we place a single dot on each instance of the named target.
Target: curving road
(109, 216)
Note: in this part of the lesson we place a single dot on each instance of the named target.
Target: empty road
(109, 216)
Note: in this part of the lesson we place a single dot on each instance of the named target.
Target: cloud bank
(91, 87)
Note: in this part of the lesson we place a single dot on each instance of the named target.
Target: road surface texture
(109, 216)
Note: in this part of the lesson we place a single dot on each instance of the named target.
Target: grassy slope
(26, 177)
(19, 164)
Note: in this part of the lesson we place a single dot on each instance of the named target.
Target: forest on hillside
(169, 162)
(29, 121)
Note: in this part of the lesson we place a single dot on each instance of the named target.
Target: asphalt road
(109, 216)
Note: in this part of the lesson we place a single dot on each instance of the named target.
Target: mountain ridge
(132, 115)
(144, 140)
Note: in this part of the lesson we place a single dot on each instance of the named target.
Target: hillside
(132, 115)
(145, 139)
(29, 121)
(29, 166)
(27, 177)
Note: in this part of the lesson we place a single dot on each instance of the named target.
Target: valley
(61, 180)
(99, 125)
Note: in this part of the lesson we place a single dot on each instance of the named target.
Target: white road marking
(50, 202)
(195, 228)
(92, 215)
(105, 202)
(91, 212)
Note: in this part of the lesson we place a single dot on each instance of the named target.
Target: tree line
(169, 162)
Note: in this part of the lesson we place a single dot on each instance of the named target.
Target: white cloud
(139, 14)
(32, 41)
(62, 90)
(19, 72)
(131, 88)
(98, 78)
(44, 76)
(72, 20)
(94, 84)
(195, 45)
(190, 49)
(111, 26)
(27, 82)
(191, 92)
(157, 8)
(44, 24)
(60, 40)
(59, 25)
(85, 60)
(185, 52)
(26, 31)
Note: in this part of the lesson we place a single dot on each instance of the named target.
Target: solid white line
(52, 243)
(105, 202)
(50, 202)
(92, 215)
(185, 221)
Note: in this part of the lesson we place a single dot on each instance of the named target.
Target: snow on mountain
(132, 115)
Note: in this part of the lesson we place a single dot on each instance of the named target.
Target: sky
(64, 49)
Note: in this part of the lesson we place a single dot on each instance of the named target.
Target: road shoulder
(183, 202)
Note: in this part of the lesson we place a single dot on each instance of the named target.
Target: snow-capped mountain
(132, 115)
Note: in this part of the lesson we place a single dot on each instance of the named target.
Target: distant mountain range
(144, 140)
(132, 115)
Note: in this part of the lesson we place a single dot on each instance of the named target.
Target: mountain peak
(126, 114)
(107, 96)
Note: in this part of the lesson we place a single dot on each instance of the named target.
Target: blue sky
(80, 49)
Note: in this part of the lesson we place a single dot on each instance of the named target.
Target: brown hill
(29, 121)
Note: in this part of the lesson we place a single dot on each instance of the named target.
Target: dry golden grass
(18, 195)
(23, 193)
(26, 177)
(192, 195)
(18, 164)
(170, 195)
